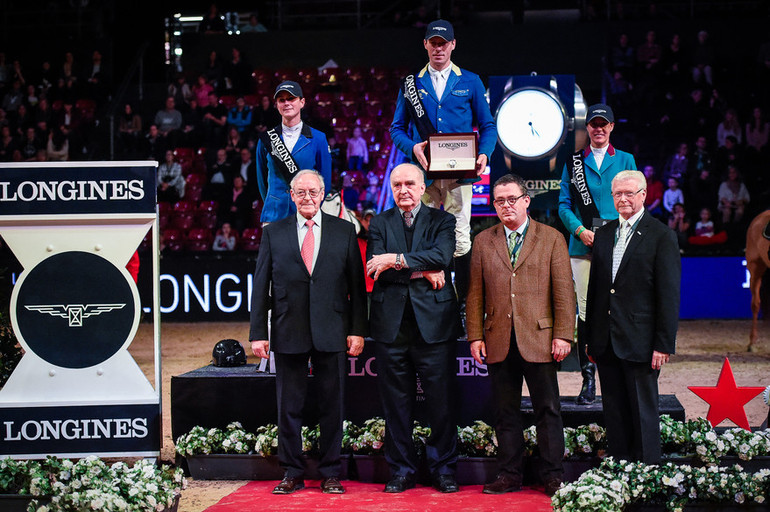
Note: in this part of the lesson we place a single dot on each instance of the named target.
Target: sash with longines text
(75, 309)
(282, 158)
(416, 108)
(581, 194)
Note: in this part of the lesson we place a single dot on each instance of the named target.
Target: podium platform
(213, 397)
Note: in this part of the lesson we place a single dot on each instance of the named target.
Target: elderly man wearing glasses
(585, 204)
(312, 263)
(521, 322)
(632, 318)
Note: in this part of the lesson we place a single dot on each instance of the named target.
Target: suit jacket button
(612, 290)
(514, 274)
(509, 315)
(609, 312)
(513, 295)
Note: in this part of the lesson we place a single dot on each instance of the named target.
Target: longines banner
(75, 310)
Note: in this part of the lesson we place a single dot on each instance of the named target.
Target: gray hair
(400, 167)
(638, 176)
(311, 172)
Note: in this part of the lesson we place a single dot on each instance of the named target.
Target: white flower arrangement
(614, 485)
(364, 440)
(477, 440)
(585, 441)
(699, 439)
(691, 438)
(90, 484)
(235, 440)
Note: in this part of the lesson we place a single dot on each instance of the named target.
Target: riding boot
(462, 268)
(587, 368)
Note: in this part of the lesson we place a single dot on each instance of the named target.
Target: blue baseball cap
(442, 29)
(292, 88)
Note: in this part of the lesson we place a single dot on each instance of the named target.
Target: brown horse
(757, 262)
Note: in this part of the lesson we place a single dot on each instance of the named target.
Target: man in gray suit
(310, 274)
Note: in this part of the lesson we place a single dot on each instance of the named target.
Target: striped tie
(408, 219)
(620, 248)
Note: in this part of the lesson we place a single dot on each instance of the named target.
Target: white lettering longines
(72, 429)
(71, 190)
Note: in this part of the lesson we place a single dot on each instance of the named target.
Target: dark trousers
(630, 402)
(398, 364)
(507, 379)
(291, 386)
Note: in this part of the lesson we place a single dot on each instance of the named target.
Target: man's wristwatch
(398, 265)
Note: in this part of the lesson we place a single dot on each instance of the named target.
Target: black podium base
(214, 397)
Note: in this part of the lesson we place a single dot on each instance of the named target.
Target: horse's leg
(756, 270)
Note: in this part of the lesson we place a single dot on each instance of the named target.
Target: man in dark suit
(310, 274)
(632, 317)
(415, 322)
(520, 317)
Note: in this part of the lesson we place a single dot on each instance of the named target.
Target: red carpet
(361, 497)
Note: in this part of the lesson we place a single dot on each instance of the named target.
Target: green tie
(513, 245)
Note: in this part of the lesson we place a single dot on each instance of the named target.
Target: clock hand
(534, 132)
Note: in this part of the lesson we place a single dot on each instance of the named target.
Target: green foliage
(10, 352)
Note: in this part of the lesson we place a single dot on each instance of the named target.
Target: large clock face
(531, 123)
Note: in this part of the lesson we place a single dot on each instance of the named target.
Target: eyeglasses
(511, 201)
(627, 195)
(313, 193)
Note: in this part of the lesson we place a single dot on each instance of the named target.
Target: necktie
(408, 219)
(439, 84)
(514, 244)
(620, 248)
(308, 246)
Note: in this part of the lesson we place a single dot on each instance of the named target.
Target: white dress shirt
(439, 79)
(599, 155)
(291, 135)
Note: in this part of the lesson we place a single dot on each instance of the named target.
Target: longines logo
(75, 313)
(75, 309)
(411, 94)
(537, 187)
(451, 146)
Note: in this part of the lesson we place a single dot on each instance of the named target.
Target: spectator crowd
(701, 138)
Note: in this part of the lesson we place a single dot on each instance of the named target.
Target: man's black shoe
(289, 485)
(399, 484)
(446, 483)
(502, 484)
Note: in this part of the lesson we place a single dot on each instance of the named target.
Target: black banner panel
(77, 190)
(71, 429)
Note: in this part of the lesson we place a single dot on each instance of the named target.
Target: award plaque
(452, 155)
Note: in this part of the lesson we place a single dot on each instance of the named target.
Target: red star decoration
(726, 400)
